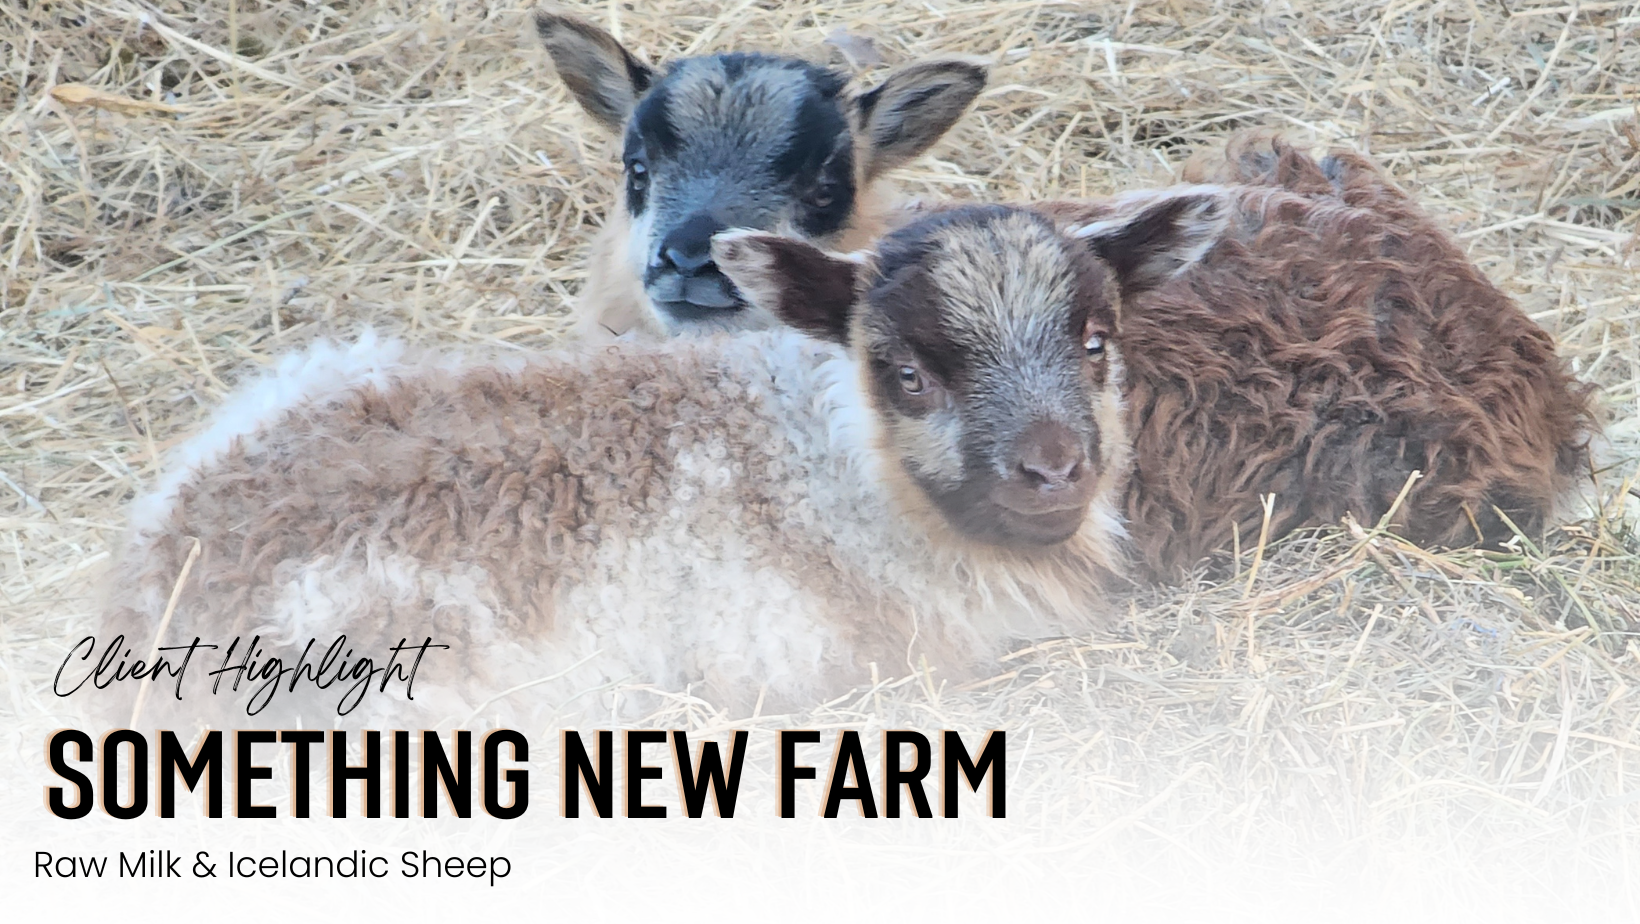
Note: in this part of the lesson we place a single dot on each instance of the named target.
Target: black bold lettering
(517, 778)
(693, 787)
(111, 771)
(578, 770)
(245, 772)
(849, 757)
(993, 757)
(370, 772)
(790, 773)
(636, 773)
(173, 761)
(895, 777)
(401, 774)
(300, 767)
(435, 767)
(57, 756)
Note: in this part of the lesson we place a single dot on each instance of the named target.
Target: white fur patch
(322, 368)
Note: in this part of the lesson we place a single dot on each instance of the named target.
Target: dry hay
(190, 189)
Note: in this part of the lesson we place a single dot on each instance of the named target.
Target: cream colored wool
(707, 511)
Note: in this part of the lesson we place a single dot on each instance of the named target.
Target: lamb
(762, 515)
(736, 140)
(1327, 344)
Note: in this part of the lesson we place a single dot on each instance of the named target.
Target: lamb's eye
(912, 381)
(637, 176)
(1095, 344)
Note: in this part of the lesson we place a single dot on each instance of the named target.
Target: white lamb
(759, 514)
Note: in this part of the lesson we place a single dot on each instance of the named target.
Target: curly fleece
(701, 512)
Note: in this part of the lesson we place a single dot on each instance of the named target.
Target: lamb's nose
(1051, 458)
(688, 248)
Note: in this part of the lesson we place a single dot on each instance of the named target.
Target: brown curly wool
(1333, 342)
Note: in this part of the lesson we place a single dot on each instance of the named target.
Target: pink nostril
(1044, 474)
(1050, 457)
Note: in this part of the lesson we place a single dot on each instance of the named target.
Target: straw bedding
(188, 190)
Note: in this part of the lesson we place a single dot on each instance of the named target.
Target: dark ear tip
(548, 22)
(551, 23)
(976, 70)
(956, 68)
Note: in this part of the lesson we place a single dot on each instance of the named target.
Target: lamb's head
(745, 141)
(989, 344)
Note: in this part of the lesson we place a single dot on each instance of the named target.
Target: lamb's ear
(605, 78)
(796, 282)
(913, 107)
(1159, 240)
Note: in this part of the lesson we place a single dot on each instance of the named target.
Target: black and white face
(731, 141)
(990, 346)
(748, 141)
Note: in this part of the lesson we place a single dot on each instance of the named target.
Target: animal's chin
(994, 523)
(1044, 528)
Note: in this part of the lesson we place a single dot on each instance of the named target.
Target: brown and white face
(744, 141)
(990, 345)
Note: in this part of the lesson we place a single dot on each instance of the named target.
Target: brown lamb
(1334, 341)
